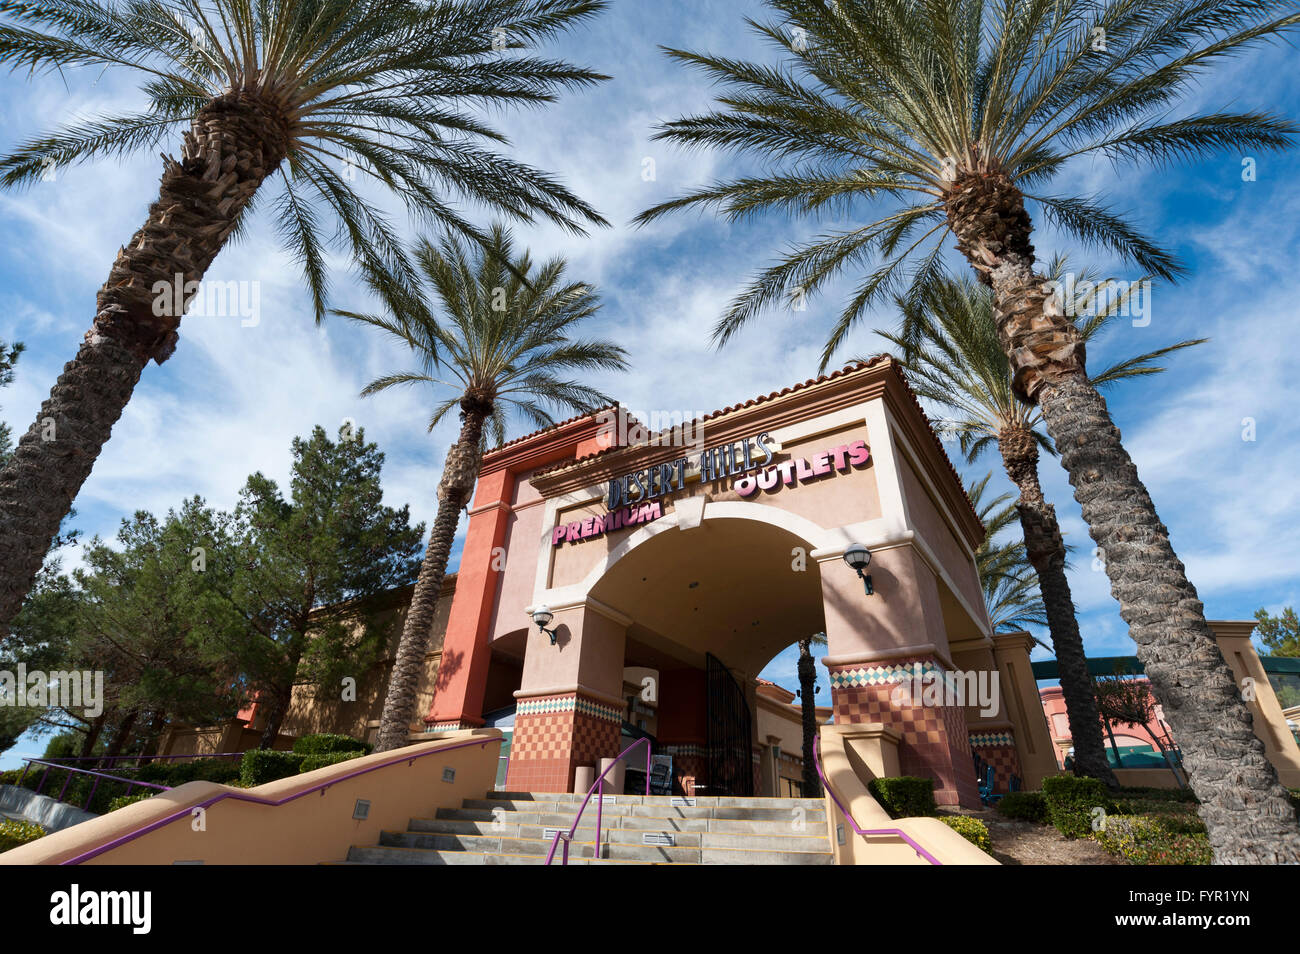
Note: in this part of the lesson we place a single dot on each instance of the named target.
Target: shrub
(123, 800)
(972, 829)
(327, 758)
(259, 766)
(10, 776)
(905, 796)
(1026, 806)
(15, 833)
(174, 773)
(1072, 801)
(1145, 793)
(1156, 840)
(324, 743)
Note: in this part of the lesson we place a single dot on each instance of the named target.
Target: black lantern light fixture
(858, 558)
(541, 616)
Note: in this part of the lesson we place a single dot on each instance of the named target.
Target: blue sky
(232, 397)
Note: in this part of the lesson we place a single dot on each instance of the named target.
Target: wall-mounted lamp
(541, 616)
(858, 558)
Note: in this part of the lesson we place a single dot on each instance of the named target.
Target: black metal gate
(731, 758)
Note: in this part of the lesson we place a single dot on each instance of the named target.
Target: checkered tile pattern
(934, 743)
(1005, 762)
(548, 745)
(446, 727)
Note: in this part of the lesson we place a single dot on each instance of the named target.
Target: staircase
(517, 828)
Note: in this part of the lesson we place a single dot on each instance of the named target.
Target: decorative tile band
(580, 704)
(880, 675)
(988, 740)
(446, 727)
(684, 750)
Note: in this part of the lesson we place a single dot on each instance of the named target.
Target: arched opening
(710, 607)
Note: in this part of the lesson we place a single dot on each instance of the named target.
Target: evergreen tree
(330, 543)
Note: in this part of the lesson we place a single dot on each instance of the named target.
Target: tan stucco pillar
(1270, 725)
(1024, 708)
(569, 704)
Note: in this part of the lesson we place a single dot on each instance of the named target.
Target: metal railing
(112, 760)
(597, 787)
(188, 811)
(898, 832)
(73, 770)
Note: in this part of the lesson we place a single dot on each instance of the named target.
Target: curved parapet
(303, 819)
(861, 831)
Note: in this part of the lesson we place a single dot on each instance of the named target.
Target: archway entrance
(709, 608)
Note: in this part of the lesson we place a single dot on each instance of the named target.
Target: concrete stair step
(525, 799)
(781, 825)
(534, 840)
(506, 851)
(381, 855)
(489, 810)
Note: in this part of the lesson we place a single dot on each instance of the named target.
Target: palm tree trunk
(1046, 551)
(458, 477)
(1245, 808)
(233, 144)
(1114, 746)
(808, 709)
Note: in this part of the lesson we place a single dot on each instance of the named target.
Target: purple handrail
(817, 763)
(274, 803)
(137, 758)
(600, 804)
(130, 782)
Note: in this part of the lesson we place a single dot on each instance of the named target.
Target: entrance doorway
(730, 747)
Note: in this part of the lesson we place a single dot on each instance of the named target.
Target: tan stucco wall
(927, 520)
(525, 537)
(312, 828)
(1270, 724)
(852, 755)
(311, 711)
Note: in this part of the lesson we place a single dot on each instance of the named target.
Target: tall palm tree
(1008, 580)
(807, 670)
(304, 99)
(498, 338)
(948, 119)
(951, 354)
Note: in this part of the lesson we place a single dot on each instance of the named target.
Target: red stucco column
(463, 670)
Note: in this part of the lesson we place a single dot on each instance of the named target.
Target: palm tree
(1008, 580)
(951, 354)
(501, 338)
(808, 711)
(307, 93)
(948, 119)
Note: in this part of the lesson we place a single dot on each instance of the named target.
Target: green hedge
(1026, 806)
(327, 758)
(1156, 839)
(1071, 803)
(10, 776)
(905, 796)
(259, 766)
(972, 829)
(15, 833)
(124, 800)
(325, 743)
(173, 773)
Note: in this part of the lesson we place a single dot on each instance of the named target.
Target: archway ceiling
(728, 587)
